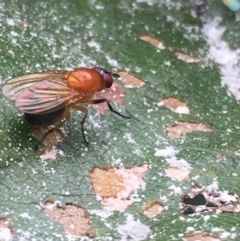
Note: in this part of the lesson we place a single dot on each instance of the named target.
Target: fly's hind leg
(85, 111)
(56, 128)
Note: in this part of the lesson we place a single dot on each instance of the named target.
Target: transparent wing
(44, 97)
(14, 86)
(39, 93)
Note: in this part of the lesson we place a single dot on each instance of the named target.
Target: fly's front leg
(109, 106)
(85, 111)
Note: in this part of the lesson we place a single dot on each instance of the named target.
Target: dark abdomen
(45, 119)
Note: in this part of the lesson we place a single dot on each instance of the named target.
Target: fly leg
(56, 128)
(85, 111)
(109, 106)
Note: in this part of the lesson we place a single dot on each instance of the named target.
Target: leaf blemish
(185, 57)
(201, 237)
(133, 229)
(131, 81)
(153, 209)
(176, 173)
(181, 128)
(49, 151)
(114, 94)
(115, 185)
(153, 41)
(175, 105)
(72, 217)
(6, 230)
(199, 200)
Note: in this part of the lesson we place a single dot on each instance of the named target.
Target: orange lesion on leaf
(130, 80)
(177, 173)
(106, 182)
(153, 209)
(72, 217)
(181, 128)
(199, 236)
(115, 185)
(153, 41)
(175, 105)
(186, 57)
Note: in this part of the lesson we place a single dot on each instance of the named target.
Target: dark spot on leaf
(199, 199)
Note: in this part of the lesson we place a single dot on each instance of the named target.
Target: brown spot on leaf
(199, 200)
(188, 58)
(106, 182)
(155, 42)
(48, 151)
(23, 24)
(201, 237)
(51, 139)
(130, 81)
(6, 230)
(177, 173)
(114, 94)
(72, 217)
(153, 209)
(180, 128)
(115, 185)
(175, 105)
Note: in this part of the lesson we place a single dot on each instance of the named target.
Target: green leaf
(46, 35)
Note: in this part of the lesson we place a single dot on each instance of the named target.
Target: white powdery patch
(134, 230)
(223, 234)
(182, 110)
(177, 169)
(112, 61)
(212, 187)
(167, 152)
(14, 34)
(133, 180)
(23, 235)
(129, 138)
(104, 213)
(94, 44)
(180, 164)
(176, 190)
(25, 215)
(179, 109)
(116, 161)
(137, 151)
(221, 53)
(96, 120)
(99, 7)
(10, 22)
(225, 197)
(5, 234)
(51, 154)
